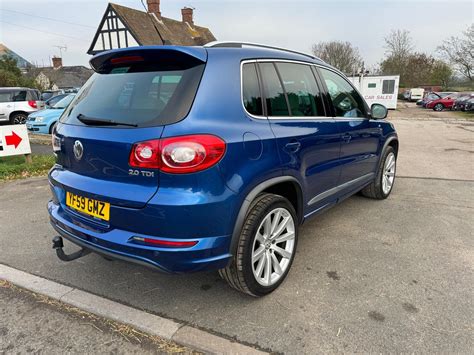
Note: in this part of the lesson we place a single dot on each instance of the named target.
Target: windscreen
(64, 102)
(127, 95)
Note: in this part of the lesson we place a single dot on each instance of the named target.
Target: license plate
(88, 206)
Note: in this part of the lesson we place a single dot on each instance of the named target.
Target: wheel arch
(286, 186)
(391, 141)
(13, 113)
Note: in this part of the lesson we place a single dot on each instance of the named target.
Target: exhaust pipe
(58, 245)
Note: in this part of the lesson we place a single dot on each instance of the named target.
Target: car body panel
(207, 206)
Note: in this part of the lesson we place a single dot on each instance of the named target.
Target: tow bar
(59, 245)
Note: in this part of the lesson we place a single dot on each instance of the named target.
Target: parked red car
(442, 103)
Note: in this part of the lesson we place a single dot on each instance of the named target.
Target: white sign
(14, 140)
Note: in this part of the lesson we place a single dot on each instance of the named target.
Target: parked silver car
(17, 103)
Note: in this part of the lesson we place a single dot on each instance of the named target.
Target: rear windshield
(140, 98)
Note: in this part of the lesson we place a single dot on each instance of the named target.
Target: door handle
(346, 137)
(293, 147)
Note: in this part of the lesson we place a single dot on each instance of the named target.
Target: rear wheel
(382, 186)
(18, 118)
(266, 247)
(438, 107)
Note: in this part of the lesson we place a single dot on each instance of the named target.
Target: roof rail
(230, 44)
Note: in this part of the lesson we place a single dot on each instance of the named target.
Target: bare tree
(341, 55)
(398, 44)
(399, 49)
(459, 51)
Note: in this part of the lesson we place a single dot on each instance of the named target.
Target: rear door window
(275, 97)
(19, 96)
(142, 98)
(301, 89)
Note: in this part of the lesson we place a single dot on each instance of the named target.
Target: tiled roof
(148, 29)
(64, 77)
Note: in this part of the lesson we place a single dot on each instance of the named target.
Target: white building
(381, 89)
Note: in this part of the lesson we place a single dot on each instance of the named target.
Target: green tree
(441, 74)
(10, 74)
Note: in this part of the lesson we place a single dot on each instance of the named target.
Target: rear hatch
(131, 97)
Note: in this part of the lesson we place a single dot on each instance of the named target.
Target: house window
(372, 85)
(388, 87)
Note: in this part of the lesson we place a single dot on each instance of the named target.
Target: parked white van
(416, 94)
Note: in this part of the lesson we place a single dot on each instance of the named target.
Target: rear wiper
(100, 122)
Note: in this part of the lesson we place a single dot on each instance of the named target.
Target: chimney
(154, 7)
(187, 14)
(57, 62)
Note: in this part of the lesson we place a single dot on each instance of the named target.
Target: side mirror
(378, 111)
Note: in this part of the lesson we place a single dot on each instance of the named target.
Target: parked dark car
(459, 104)
(209, 158)
(469, 107)
(47, 94)
(54, 100)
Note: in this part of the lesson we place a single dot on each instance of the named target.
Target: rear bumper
(210, 253)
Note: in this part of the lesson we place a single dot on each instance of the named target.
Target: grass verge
(15, 167)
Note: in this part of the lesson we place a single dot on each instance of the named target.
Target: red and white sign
(14, 140)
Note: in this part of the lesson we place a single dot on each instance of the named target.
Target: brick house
(123, 27)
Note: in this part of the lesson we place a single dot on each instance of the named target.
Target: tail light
(32, 103)
(178, 155)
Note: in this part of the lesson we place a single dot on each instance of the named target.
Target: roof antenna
(61, 48)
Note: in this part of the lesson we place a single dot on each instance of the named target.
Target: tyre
(382, 186)
(51, 128)
(438, 107)
(266, 247)
(18, 118)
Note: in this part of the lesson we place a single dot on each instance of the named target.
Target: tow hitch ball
(58, 245)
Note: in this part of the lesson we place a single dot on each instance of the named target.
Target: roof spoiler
(104, 62)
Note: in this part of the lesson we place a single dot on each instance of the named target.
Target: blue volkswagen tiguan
(198, 158)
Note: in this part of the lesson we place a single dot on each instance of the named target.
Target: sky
(34, 28)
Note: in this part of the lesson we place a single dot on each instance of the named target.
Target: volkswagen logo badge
(78, 150)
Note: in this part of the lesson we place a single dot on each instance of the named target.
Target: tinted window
(251, 90)
(372, 85)
(46, 95)
(301, 88)
(388, 87)
(275, 96)
(143, 98)
(346, 101)
(19, 96)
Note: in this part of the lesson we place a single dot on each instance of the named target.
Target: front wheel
(382, 186)
(266, 247)
(438, 107)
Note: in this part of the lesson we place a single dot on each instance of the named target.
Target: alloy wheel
(388, 176)
(19, 119)
(273, 247)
